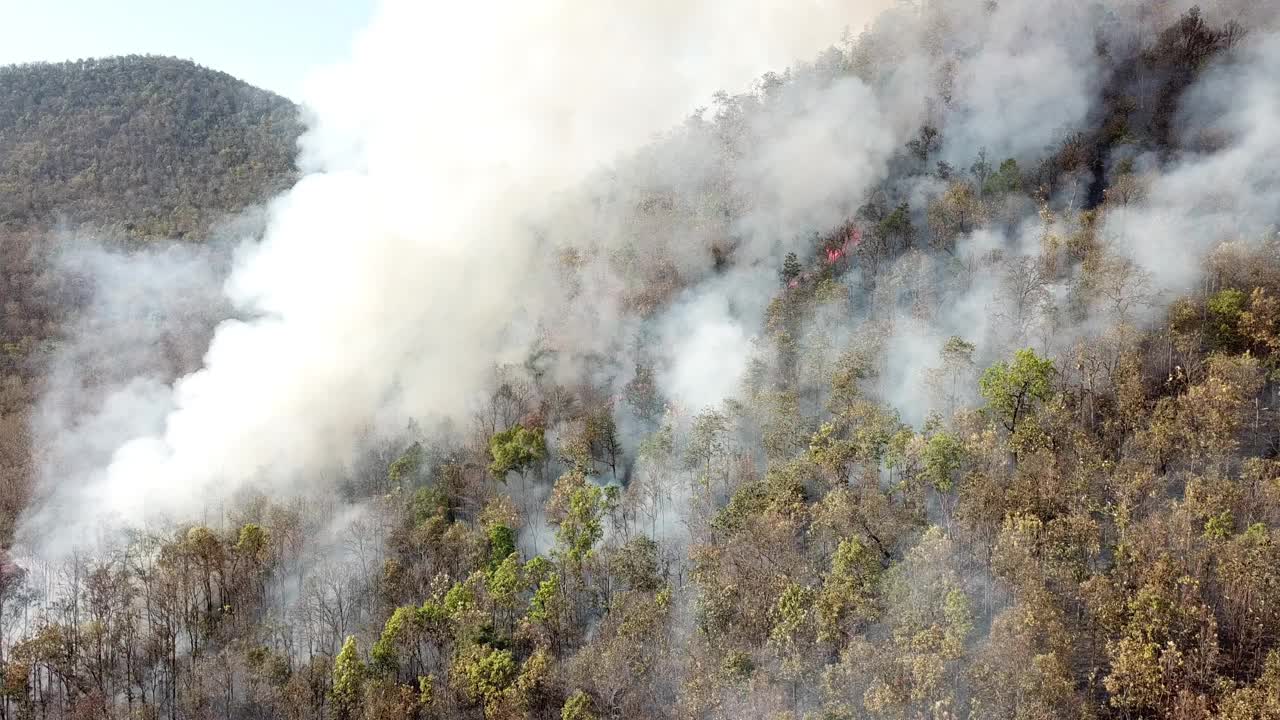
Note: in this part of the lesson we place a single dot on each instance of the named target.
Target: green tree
(1005, 180)
(1012, 388)
(404, 623)
(579, 528)
(848, 599)
(483, 673)
(1225, 310)
(348, 680)
(406, 466)
(577, 707)
(943, 457)
(502, 543)
(516, 449)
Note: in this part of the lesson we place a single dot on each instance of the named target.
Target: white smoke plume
(479, 181)
(404, 263)
(1224, 185)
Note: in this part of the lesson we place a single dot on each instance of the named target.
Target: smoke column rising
(388, 277)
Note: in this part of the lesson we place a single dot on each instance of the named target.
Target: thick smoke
(1224, 186)
(1033, 73)
(409, 259)
(147, 319)
(511, 181)
(530, 194)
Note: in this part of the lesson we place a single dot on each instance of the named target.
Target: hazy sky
(270, 43)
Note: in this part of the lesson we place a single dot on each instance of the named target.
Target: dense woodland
(126, 151)
(1079, 529)
(150, 147)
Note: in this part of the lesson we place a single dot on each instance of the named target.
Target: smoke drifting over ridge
(1226, 186)
(458, 154)
(387, 277)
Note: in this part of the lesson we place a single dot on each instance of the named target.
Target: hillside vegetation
(130, 150)
(1078, 515)
(148, 147)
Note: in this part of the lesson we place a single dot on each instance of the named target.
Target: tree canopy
(844, 536)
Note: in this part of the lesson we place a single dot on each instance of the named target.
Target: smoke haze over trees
(933, 374)
(98, 156)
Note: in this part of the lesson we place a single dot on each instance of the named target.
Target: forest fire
(851, 241)
(560, 397)
(834, 254)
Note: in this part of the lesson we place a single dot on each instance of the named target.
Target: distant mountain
(152, 147)
(142, 148)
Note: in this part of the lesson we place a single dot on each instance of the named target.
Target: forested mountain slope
(1003, 441)
(126, 150)
(150, 147)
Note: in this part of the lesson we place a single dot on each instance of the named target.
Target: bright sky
(269, 43)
